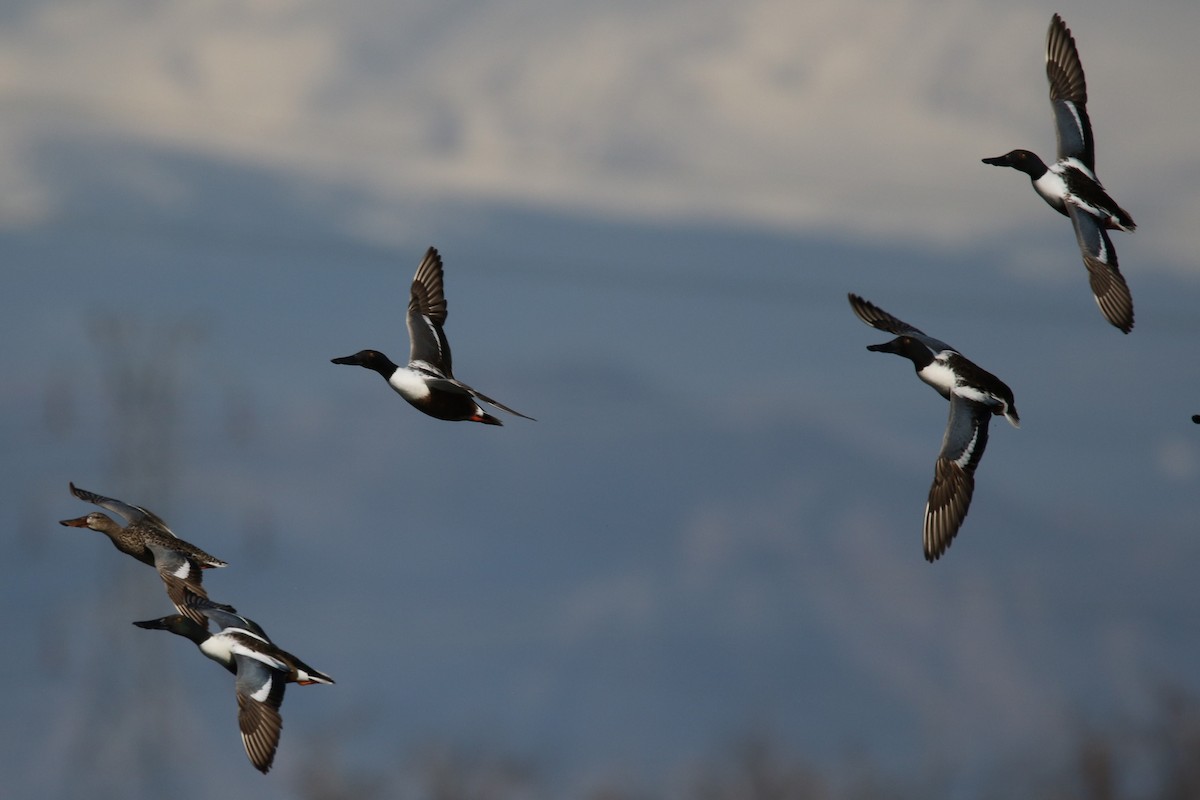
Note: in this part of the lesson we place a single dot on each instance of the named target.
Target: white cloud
(862, 118)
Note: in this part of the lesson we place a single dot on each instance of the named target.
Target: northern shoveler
(1070, 185)
(974, 394)
(262, 670)
(428, 382)
(146, 537)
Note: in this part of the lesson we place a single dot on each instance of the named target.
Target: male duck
(974, 394)
(261, 668)
(1070, 184)
(428, 381)
(148, 539)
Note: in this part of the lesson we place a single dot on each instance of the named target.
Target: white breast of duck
(218, 647)
(410, 383)
(1052, 185)
(939, 374)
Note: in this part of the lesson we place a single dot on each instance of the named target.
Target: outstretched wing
(1104, 275)
(876, 317)
(130, 513)
(427, 315)
(954, 474)
(259, 696)
(1068, 95)
(182, 579)
(169, 561)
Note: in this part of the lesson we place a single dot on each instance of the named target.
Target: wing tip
(947, 507)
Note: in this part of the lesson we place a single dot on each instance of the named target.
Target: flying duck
(1070, 185)
(428, 382)
(147, 538)
(974, 394)
(262, 671)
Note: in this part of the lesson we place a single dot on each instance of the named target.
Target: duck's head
(370, 359)
(901, 346)
(95, 521)
(908, 347)
(1022, 160)
(178, 624)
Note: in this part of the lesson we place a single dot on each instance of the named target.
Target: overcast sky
(864, 118)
